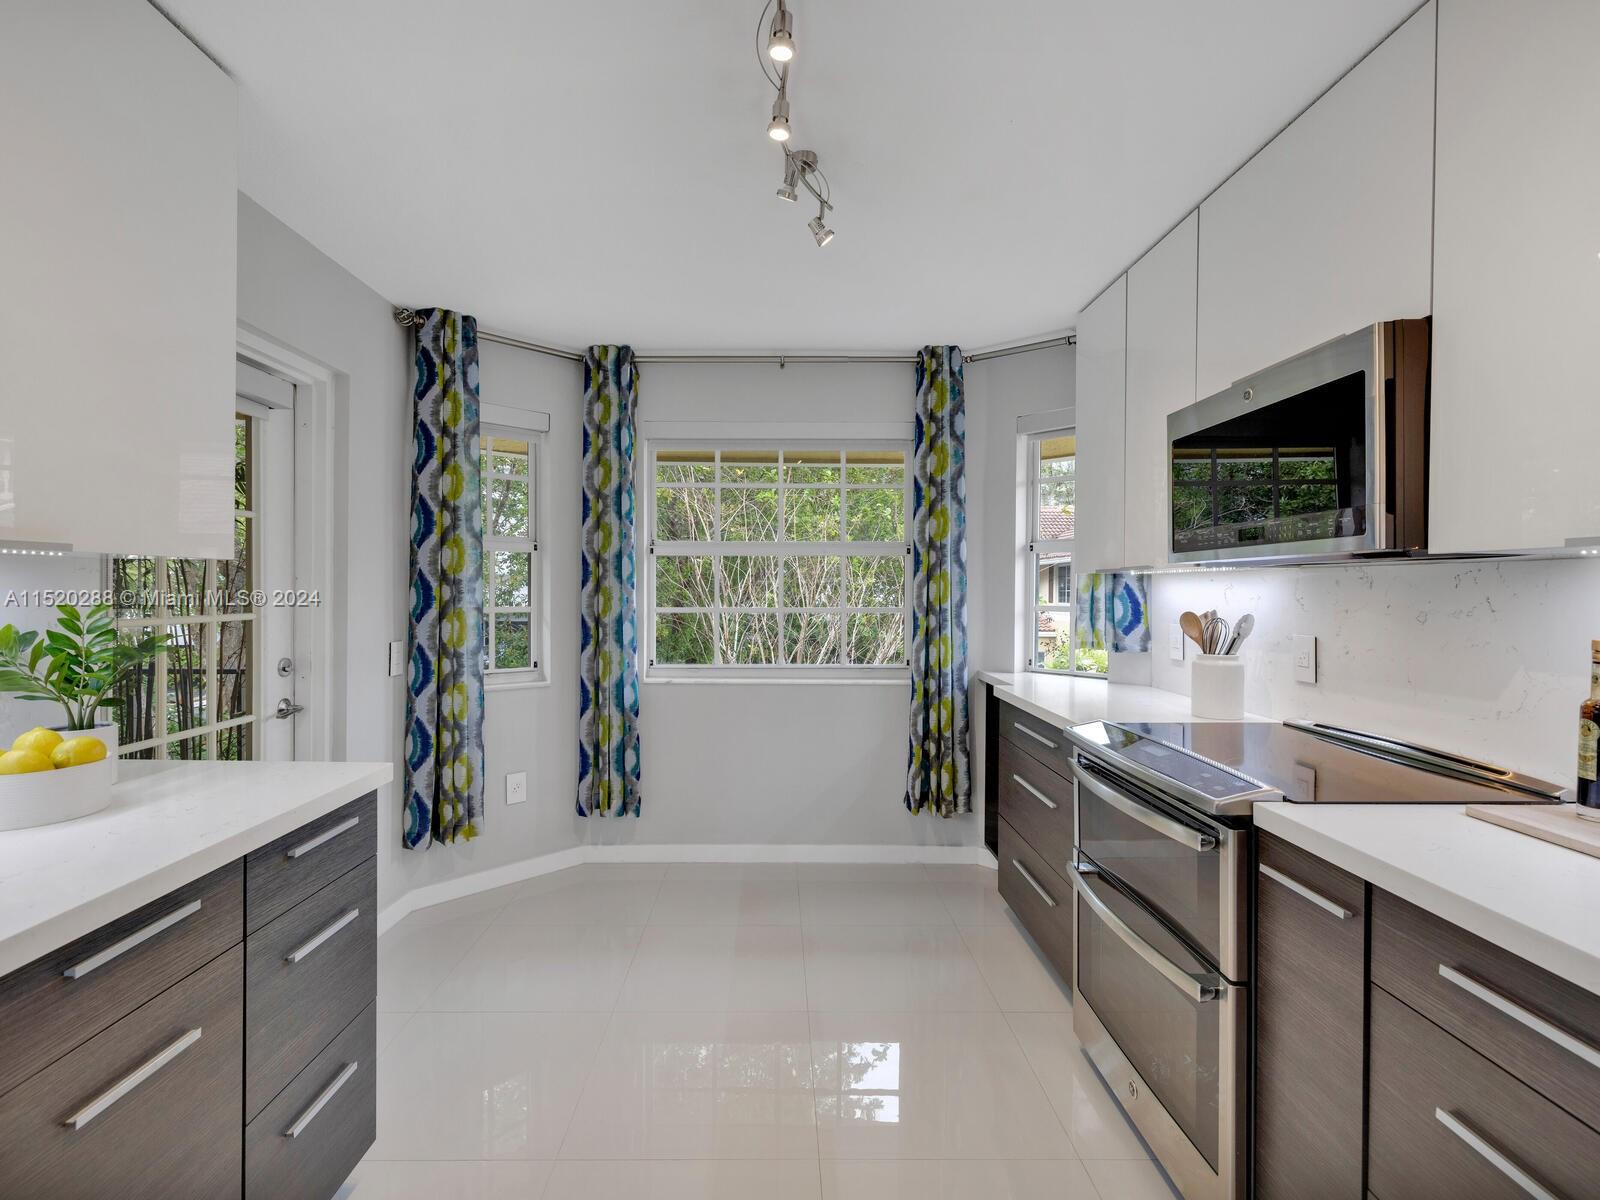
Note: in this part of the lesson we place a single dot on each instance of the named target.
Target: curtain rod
(408, 317)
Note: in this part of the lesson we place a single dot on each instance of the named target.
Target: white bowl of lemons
(45, 778)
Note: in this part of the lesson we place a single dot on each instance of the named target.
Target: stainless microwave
(1323, 455)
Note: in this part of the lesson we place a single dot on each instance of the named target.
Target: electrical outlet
(1305, 658)
(517, 787)
(397, 658)
(1175, 641)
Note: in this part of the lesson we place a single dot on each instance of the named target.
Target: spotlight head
(778, 127)
(791, 176)
(821, 232)
(780, 37)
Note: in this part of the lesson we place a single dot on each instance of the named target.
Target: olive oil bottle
(1589, 742)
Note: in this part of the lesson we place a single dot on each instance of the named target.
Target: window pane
(192, 749)
(749, 581)
(877, 639)
(750, 514)
(1057, 456)
(811, 515)
(512, 572)
(812, 639)
(234, 577)
(878, 581)
(1308, 464)
(876, 515)
(683, 582)
(749, 638)
(133, 583)
(136, 705)
(685, 514)
(508, 508)
(1191, 507)
(511, 641)
(1055, 579)
(241, 462)
(811, 581)
(749, 466)
(686, 466)
(234, 686)
(875, 466)
(1052, 640)
(1244, 504)
(684, 638)
(1057, 487)
(235, 743)
(811, 466)
(186, 677)
(506, 456)
(186, 583)
(1307, 498)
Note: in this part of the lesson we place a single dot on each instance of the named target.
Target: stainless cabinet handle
(1038, 737)
(1148, 817)
(95, 961)
(1198, 989)
(1033, 791)
(1305, 893)
(321, 1102)
(1516, 1012)
(297, 954)
(1034, 883)
(1492, 1156)
(130, 1081)
(327, 835)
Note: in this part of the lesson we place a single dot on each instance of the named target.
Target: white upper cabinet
(1516, 339)
(1328, 228)
(118, 253)
(1097, 540)
(1161, 366)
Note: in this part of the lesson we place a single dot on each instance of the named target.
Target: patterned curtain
(444, 701)
(608, 652)
(939, 775)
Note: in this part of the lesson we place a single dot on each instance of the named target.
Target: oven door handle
(1148, 817)
(1199, 989)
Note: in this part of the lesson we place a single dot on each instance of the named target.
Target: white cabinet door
(1161, 365)
(1097, 543)
(1327, 229)
(1516, 339)
(117, 314)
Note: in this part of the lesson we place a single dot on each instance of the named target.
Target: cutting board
(1558, 823)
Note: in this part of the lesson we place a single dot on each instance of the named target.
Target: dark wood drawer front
(307, 975)
(1041, 899)
(1311, 1002)
(1036, 737)
(1038, 804)
(45, 1012)
(175, 1134)
(307, 1141)
(1420, 1072)
(282, 874)
(1541, 1028)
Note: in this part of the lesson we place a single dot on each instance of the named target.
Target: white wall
(1489, 659)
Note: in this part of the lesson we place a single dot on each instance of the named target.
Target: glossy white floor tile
(698, 1085)
(452, 1180)
(539, 968)
(483, 1085)
(973, 902)
(976, 1179)
(892, 968)
(480, 908)
(412, 959)
(716, 968)
(389, 1024)
(861, 872)
(1018, 977)
(1096, 1125)
(928, 1085)
(871, 902)
(727, 1180)
(733, 870)
(580, 896)
(1130, 1180)
(727, 902)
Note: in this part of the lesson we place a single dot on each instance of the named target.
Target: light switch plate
(516, 787)
(1175, 641)
(1305, 658)
(397, 658)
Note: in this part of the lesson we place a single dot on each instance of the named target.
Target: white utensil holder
(1216, 687)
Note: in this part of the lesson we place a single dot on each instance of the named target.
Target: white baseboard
(530, 868)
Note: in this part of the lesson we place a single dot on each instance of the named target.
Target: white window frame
(497, 679)
(1036, 548)
(645, 496)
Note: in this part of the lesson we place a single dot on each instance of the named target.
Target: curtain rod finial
(406, 317)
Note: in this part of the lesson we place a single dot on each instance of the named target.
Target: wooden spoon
(1192, 629)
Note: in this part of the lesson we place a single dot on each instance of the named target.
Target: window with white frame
(511, 572)
(771, 558)
(1051, 502)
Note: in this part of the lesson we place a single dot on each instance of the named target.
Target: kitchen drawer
(46, 1012)
(1036, 737)
(1038, 803)
(156, 1098)
(1446, 1123)
(307, 1141)
(1039, 896)
(307, 975)
(283, 873)
(1540, 1028)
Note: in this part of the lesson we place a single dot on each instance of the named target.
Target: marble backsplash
(1489, 659)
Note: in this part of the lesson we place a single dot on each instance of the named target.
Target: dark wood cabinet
(1311, 1000)
(1038, 804)
(283, 873)
(1041, 899)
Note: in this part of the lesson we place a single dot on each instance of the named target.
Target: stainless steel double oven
(1161, 968)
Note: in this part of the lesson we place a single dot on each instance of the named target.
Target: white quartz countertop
(1533, 898)
(168, 824)
(1074, 699)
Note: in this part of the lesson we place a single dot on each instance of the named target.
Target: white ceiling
(598, 170)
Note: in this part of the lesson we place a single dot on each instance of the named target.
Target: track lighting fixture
(799, 166)
(778, 127)
(780, 35)
(821, 232)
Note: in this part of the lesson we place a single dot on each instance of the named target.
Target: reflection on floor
(726, 1031)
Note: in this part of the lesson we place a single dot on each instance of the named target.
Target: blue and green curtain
(608, 650)
(1111, 614)
(444, 698)
(939, 776)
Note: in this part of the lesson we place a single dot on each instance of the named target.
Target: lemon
(38, 738)
(78, 751)
(23, 762)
